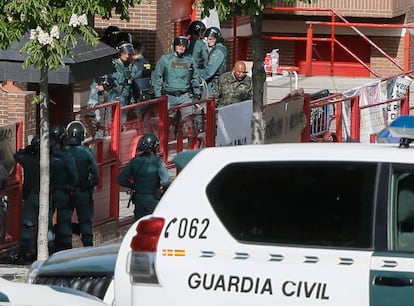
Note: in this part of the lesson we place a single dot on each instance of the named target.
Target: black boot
(25, 256)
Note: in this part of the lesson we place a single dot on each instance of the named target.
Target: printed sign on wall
(7, 146)
(285, 121)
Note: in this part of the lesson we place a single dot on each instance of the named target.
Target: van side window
(297, 203)
(403, 232)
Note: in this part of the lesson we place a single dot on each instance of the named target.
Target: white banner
(372, 118)
(212, 20)
(234, 124)
(375, 118)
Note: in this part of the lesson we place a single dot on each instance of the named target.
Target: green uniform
(88, 178)
(141, 73)
(123, 79)
(63, 178)
(199, 51)
(148, 173)
(29, 159)
(175, 75)
(216, 65)
(230, 90)
(97, 97)
(178, 79)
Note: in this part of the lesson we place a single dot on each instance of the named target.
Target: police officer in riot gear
(101, 91)
(148, 173)
(122, 75)
(217, 57)
(142, 71)
(113, 36)
(175, 75)
(63, 178)
(88, 178)
(110, 37)
(198, 48)
(29, 159)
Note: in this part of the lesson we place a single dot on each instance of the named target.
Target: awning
(87, 63)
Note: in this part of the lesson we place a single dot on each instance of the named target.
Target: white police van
(283, 224)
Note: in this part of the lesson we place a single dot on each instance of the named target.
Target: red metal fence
(240, 43)
(114, 142)
(12, 218)
(347, 127)
(115, 136)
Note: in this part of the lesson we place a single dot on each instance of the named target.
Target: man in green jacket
(233, 86)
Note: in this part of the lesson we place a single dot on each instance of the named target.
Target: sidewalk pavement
(12, 272)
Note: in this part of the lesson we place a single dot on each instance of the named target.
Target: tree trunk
(42, 239)
(259, 78)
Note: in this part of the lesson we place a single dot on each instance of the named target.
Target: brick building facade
(152, 24)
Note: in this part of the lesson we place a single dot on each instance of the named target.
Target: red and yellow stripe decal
(173, 252)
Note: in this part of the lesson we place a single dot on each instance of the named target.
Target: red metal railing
(353, 26)
(209, 130)
(239, 41)
(115, 147)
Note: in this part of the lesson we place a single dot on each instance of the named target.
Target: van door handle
(393, 281)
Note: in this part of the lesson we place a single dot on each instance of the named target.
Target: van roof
(308, 151)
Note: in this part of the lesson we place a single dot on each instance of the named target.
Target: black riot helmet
(123, 37)
(76, 133)
(125, 47)
(148, 143)
(110, 35)
(196, 27)
(35, 143)
(57, 135)
(180, 41)
(214, 32)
